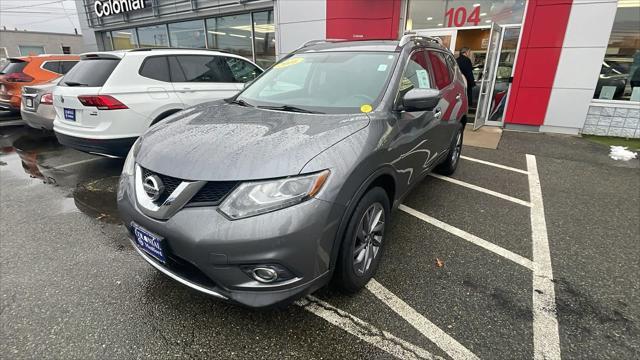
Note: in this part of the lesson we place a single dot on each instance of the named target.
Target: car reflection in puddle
(91, 181)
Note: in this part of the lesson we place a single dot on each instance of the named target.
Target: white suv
(110, 98)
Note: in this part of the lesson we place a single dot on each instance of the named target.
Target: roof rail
(176, 48)
(408, 36)
(321, 41)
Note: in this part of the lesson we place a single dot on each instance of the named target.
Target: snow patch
(621, 153)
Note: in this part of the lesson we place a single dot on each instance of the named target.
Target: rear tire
(363, 242)
(449, 165)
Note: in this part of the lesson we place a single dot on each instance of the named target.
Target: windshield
(331, 82)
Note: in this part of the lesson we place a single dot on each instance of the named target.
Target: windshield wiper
(290, 108)
(238, 102)
(73, 83)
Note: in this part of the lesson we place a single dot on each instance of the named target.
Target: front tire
(363, 242)
(448, 167)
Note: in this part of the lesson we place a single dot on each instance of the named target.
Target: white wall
(584, 46)
(298, 22)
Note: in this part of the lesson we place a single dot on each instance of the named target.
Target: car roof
(143, 52)
(371, 45)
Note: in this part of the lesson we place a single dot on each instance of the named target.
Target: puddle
(97, 199)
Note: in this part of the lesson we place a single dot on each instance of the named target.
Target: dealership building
(564, 66)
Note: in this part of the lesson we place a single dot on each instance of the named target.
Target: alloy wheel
(368, 238)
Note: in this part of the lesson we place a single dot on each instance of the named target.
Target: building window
(620, 73)
(153, 36)
(66, 50)
(107, 43)
(264, 38)
(231, 33)
(188, 34)
(26, 50)
(436, 14)
(124, 39)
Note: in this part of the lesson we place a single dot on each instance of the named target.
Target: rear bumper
(105, 147)
(41, 119)
(8, 104)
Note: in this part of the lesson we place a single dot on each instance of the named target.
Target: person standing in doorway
(466, 67)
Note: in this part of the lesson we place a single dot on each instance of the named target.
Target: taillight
(47, 99)
(102, 102)
(18, 77)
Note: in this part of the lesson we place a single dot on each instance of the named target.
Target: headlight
(130, 162)
(253, 198)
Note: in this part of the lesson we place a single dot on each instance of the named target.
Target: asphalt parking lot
(528, 251)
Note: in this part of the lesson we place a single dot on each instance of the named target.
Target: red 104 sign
(458, 17)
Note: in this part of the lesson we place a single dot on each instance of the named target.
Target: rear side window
(242, 70)
(90, 72)
(65, 66)
(156, 67)
(204, 68)
(14, 66)
(441, 72)
(53, 66)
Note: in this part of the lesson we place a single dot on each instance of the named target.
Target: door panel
(414, 146)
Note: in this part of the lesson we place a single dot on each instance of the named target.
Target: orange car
(30, 70)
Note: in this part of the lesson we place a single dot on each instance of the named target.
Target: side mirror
(421, 99)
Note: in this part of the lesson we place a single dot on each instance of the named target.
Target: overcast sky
(39, 15)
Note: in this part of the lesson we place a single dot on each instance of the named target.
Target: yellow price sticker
(366, 108)
(289, 62)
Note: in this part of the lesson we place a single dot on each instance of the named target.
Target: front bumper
(211, 249)
(104, 147)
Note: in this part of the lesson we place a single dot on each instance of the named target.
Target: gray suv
(267, 196)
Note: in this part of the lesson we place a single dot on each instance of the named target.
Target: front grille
(211, 193)
(170, 184)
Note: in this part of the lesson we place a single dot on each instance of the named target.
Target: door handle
(458, 97)
(437, 113)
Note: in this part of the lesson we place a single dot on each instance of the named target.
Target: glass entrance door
(487, 77)
(504, 73)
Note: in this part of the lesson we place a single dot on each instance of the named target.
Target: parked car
(111, 98)
(264, 197)
(37, 105)
(27, 71)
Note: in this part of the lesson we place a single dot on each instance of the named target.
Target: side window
(416, 73)
(198, 68)
(156, 68)
(177, 75)
(52, 66)
(441, 72)
(243, 71)
(65, 66)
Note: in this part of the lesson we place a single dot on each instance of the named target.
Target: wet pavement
(72, 286)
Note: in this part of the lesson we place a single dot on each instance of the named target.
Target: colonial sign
(111, 7)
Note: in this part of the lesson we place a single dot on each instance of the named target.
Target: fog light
(267, 273)
(264, 274)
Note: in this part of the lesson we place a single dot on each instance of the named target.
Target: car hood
(220, 141)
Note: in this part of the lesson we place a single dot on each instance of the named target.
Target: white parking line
(481, 189)
(364, 331)
(494, 164)
(430, 330)
(546, 340)
(76, 163)
(518, 259)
